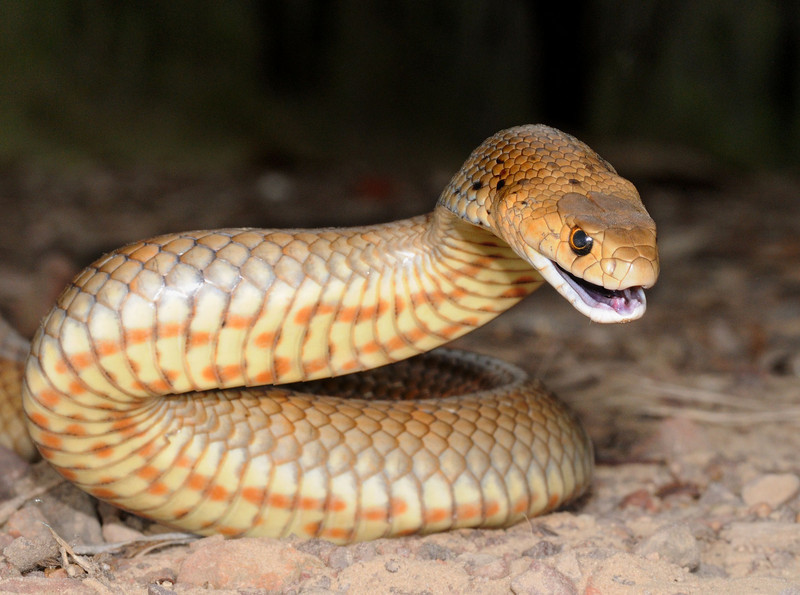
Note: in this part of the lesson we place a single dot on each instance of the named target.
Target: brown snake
(130, 390)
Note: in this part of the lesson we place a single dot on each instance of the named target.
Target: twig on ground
(152, 542)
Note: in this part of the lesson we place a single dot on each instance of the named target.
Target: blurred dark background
(199, 84)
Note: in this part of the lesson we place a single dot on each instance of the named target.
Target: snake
(277, 382)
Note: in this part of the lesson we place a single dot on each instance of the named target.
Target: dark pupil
(580, 242)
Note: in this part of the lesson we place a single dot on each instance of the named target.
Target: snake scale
(165, 380)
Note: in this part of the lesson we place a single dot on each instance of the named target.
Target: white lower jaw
(596, 311)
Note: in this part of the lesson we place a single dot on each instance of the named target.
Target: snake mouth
(605, 305)
(599, 303)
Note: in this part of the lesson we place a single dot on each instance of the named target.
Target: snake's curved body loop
(133, 386)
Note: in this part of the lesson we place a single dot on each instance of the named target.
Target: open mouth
(598, 303)
(620, 304)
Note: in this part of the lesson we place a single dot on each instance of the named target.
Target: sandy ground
(694, 409)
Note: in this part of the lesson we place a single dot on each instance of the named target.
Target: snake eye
(580, 243)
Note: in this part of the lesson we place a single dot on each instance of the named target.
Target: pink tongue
(623, 302)
(619, 304)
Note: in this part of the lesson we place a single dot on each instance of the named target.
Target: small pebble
(433, 551)
(542, 579)
(762, 510)
(340, 558)
(484, 565)
(318, 547)
(26, 554)
(640, 499)
(160, 576)
(543, 549)
(774, 489)
(675, 544)
(364, 551)
(117, 532)
(29, 522)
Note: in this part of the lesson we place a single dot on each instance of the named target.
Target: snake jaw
(605, 305)
(594, 301)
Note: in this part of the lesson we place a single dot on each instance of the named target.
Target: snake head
(597, 250)
(566, 211)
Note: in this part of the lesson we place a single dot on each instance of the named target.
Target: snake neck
(484, 272)
(461, 278)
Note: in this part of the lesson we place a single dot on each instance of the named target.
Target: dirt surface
(693, 410)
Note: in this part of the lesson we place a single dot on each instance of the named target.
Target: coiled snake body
(130, 390)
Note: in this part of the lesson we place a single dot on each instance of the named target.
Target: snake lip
(607, 305)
